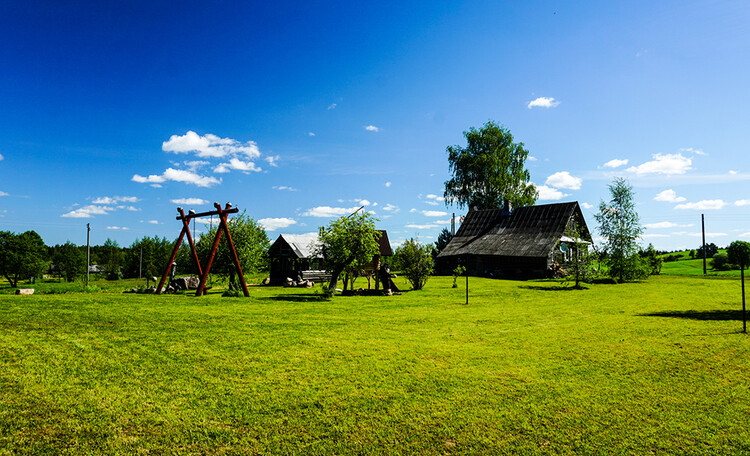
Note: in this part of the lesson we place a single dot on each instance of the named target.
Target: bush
(720, 262)
(738, 253)
(415, 262)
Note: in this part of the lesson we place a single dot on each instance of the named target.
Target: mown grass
(695, 268)
(526, 368)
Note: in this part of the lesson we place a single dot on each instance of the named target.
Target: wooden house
(291, 256)
(523, 243)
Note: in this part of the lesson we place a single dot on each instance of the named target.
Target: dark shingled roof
(384, 244)
(302, 244)
(532, 231)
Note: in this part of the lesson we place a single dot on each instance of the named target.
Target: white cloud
(434, 213)
(177, 175)
(543, 102)
(587, 205)
(532, 158)
(549, 193)
(732, 172)
(88, 211)
(154, 222)
(697, 234)
(1, 157)
(284, 187)
(705, 205)
(412, 210)
(272, 160)
(309, 133)
(563, 179)
(646, 236)
(362, 202)
(115, 199)
(391, 208)
(669, 196)
(195, 164)
(740, 203)
(664, 164)
(660, 225)
(237, 164)
(124, 228)
(210, 146)
(331, 106)
(422, 227)
(328, 211)
(616, 163)
(372, 128)
(189, 201)
(694, 151)
(388, 184)
(273, 224)
(2, 193)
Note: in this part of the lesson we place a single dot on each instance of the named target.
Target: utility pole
(88, 252)
(140, 263)
(453, 225)
(703, 231)
(742, 279)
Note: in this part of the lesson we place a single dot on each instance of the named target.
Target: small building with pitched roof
(523, 243)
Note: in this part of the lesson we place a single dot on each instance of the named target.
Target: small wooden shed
(291, 255)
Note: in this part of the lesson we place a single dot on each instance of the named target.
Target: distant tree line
(25, 257)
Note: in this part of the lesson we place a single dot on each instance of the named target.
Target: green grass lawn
(657, 367)
(695, 268)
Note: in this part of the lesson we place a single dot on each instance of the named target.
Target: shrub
(415, 262)
(459, 271)
(720, 262)
(738, 253)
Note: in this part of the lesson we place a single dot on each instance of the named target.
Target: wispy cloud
(391, 208)
(123, 228)
(114, 199)
(2, 193)
(669, 196)
(272, 160)
(616, 163)
(543, 102)
(664, 164)
(372, 128)
(273, 224)
(284, 187)
(550, 194)
(154, 222)
(328, 211)
(587, 206)
(428, 226)
(434, 213)
(331, 106)
(563, 179)
(1, 157)
(210, 146)
(740, 203)
(177, 175)
(705, 205)
(88, 211)
(237, 164)
(388, 184)
(189, 201)
(659, 225)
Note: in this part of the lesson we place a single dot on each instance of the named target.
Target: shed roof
(302, 244)
(531, 231)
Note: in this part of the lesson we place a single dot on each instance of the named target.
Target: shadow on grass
(707, 315)
(540, 288)
(293, 298)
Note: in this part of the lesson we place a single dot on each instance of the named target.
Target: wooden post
(703, 233)
(223, 228)
(742, 280)
(467, 286)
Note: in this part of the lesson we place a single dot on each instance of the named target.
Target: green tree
(738, 253)
(22, 256)
(579, 263)
(653, 259)
(415, 262)
(443, 239)
(489, 171)
(620, 227)
(69, 260)
(250, 241)
(156, 252)
(347, 241)
(111, 259)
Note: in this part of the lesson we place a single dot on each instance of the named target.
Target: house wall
(500, 267)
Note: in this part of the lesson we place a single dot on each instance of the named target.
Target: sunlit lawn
(527, 367)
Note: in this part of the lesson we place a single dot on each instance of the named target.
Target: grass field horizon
(527, 367)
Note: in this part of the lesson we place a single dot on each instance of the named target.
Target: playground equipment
(222, 229)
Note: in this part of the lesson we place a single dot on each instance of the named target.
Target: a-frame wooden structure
(222, 229)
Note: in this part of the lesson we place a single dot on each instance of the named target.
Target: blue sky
(115, 113)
